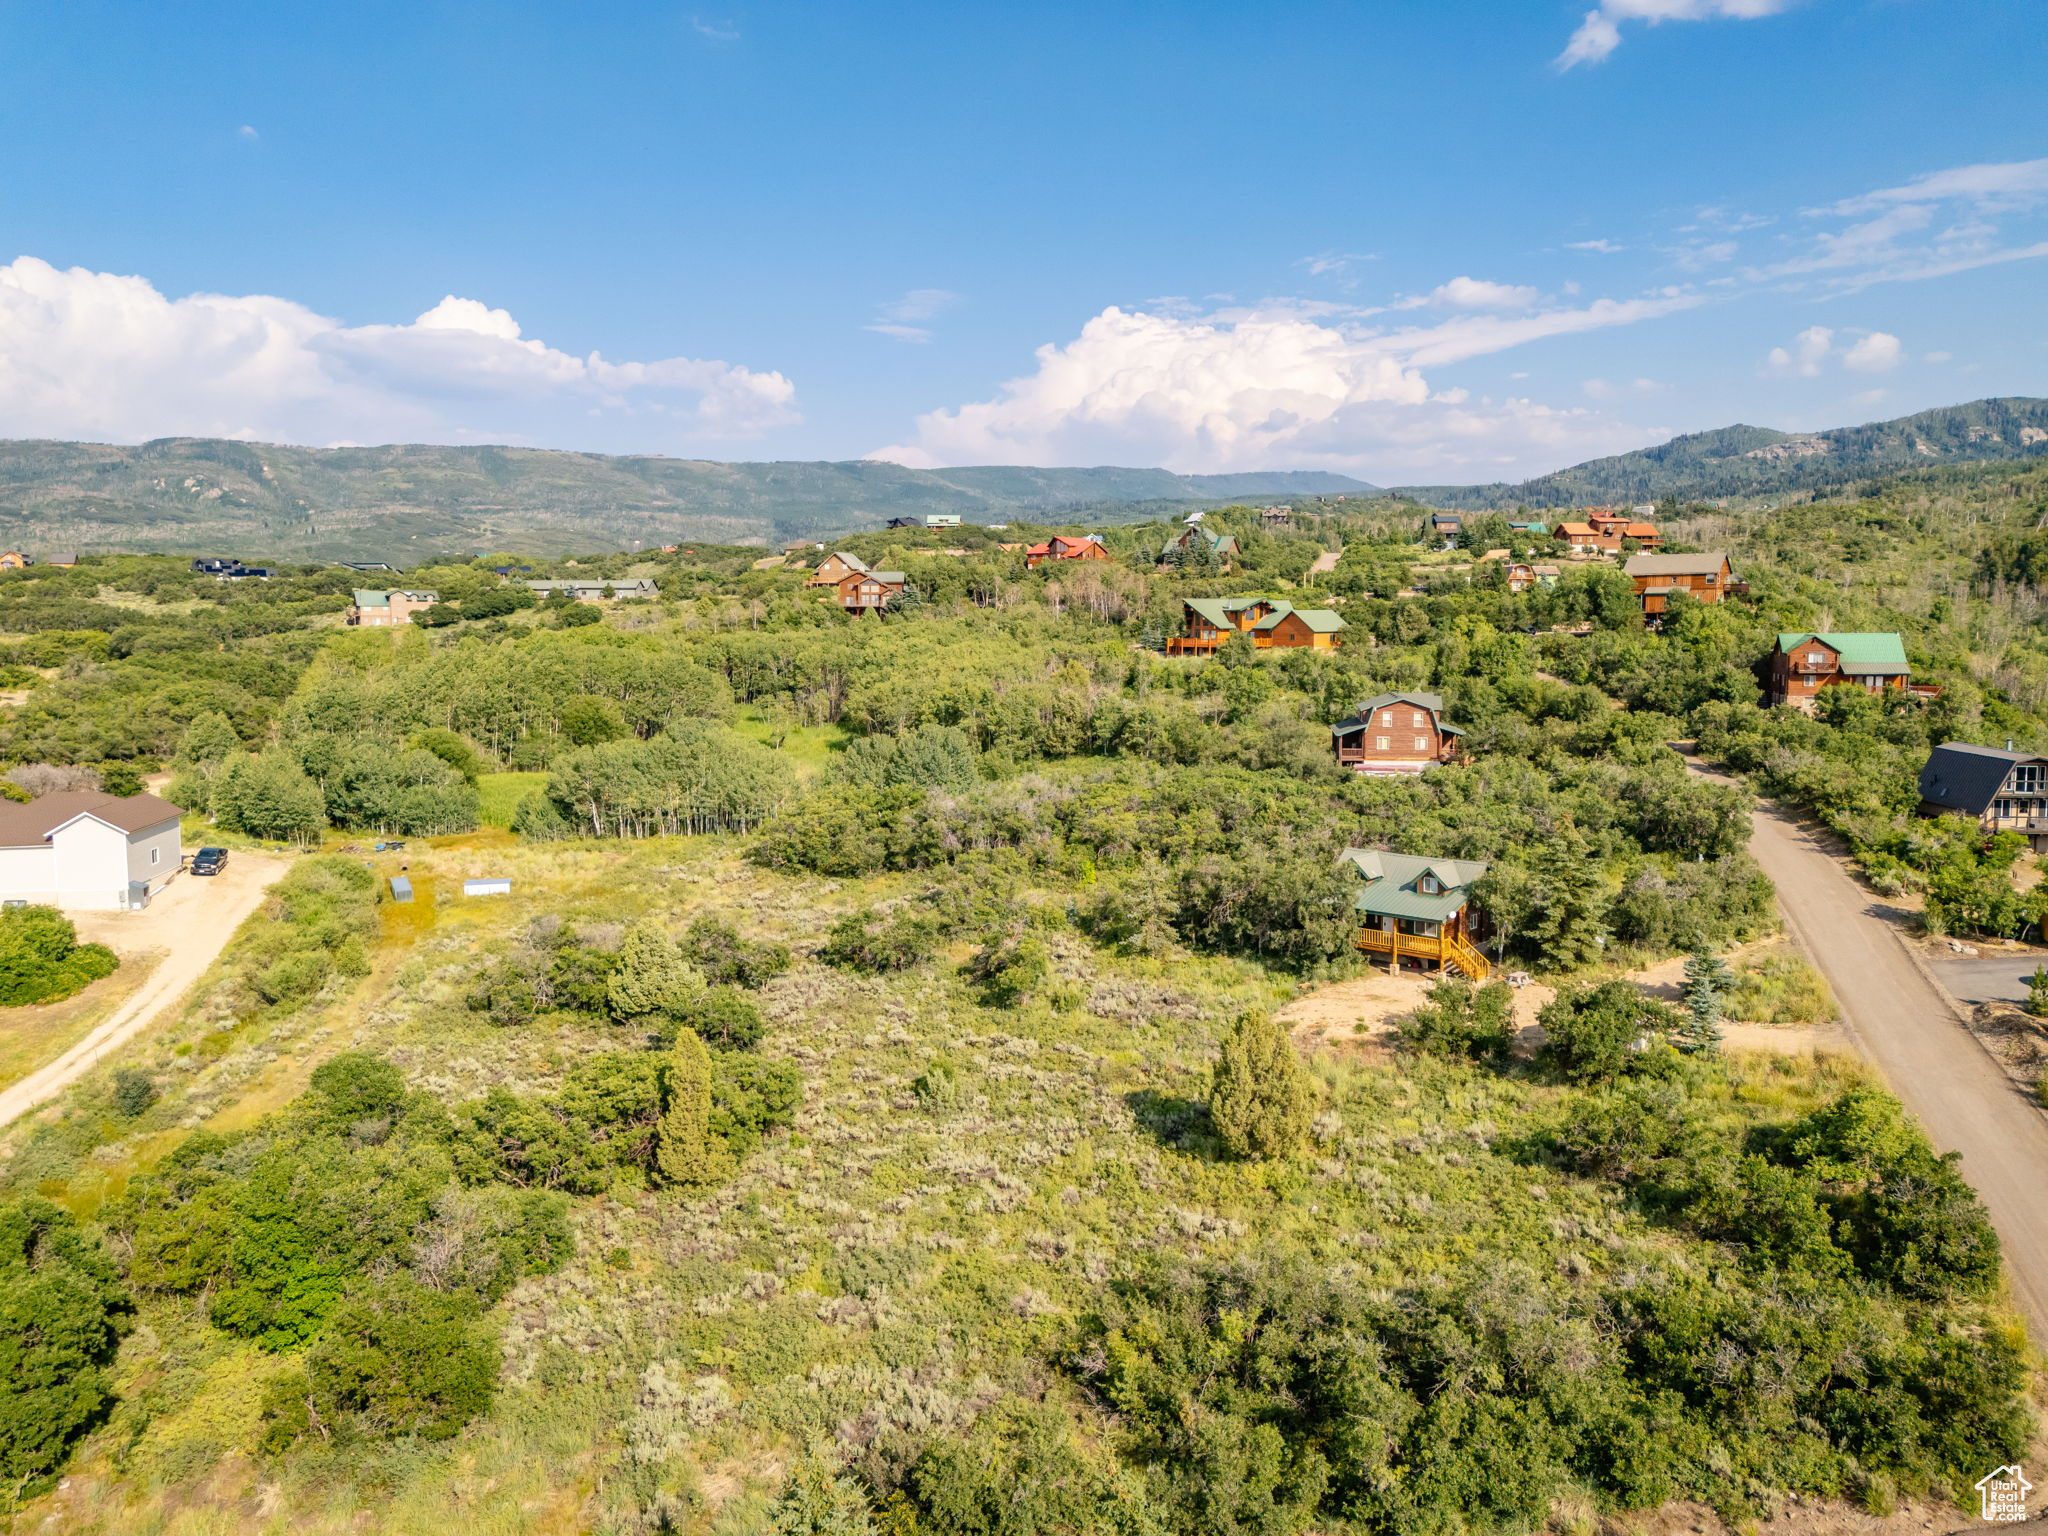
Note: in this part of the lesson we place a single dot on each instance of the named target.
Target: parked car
(209, 861)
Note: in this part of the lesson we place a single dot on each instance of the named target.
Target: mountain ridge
(409, 502)
(1742, 460)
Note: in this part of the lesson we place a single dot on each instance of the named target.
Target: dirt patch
(1365, 1010)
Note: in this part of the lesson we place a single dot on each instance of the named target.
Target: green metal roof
(1389, 889)
(1321, 621)
(1859, 652)
(1223, 611)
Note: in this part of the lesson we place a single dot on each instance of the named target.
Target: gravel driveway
(189, 922)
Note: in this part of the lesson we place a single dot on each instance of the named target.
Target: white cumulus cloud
(1266, 389)
(1809, 350)
(1814, 348)
(97, 355)
(1599, 34)
(1879, 352)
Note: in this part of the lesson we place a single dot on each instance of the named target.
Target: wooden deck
(1447, 953)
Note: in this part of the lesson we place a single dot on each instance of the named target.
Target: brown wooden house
(1272, 622)
(868, 591)
(1805, 663)
(2002, 791)
(1707, 578)
(835, 568)
(1066, 546)
(1395, 733)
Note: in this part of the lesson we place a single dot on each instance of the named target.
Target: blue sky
(1435, 240)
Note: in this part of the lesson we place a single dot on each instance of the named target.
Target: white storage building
(87, 850)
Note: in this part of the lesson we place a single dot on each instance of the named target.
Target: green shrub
(41, 959)
(1463, 1020)
(727, 960)
(403, 1361)
(132, 1093)
(687, 1152)
(62, 1313)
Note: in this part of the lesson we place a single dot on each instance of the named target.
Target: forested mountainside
(867, 1111)
(1758, 461)
(405, 503)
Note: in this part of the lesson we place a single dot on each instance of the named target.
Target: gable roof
(1674, 565)
(366, 598)
(29, 826)
(1320, 621)
(851, 562)
(1961, 777)
(1861, 653)
(1361, 717)
(1223, 611)
(1389, 884)
(1576, 531)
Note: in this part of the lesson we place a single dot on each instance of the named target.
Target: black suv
(209, 861)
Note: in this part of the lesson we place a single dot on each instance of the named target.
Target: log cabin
(1272, 622)
(1804, 663)
(1395, 733)
(868, 591)
(1417, 911)
(835, 568)
(1708, 578)
(2003, 791)
(1066, 546)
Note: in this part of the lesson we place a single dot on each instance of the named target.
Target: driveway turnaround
(191, 920)
(1905, 1026)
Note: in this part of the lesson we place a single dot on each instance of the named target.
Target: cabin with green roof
(1272, 622)
(1806, 662)
(1416, 911)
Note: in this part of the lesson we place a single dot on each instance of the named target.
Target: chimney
(2008, 743)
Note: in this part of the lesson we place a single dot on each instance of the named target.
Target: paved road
(1902, 1023)
(1988, 978)
(190, 921)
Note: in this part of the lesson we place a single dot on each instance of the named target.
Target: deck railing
(1445, 951)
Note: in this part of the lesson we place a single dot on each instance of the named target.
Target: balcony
(1445, 951)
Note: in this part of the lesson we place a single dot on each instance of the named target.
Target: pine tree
(687, 1153)
(1567, 920)
(652, 980)
(818, 1501)
(1260, 1097)
(2037, 993)
(1707, 983)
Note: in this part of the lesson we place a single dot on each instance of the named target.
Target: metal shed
(494, 886)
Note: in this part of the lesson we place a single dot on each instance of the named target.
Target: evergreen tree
(2037, 993)
(1568, 918)
(1707, 984)
(652, 980)
(817, 1501)
(1260, 1097)
(686, 1153)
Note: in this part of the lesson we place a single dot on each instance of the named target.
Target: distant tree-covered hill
(404, 503)
(1758, 461)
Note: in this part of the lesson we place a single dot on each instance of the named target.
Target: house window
(1419, 719)
(1422, 743)
(1382, 742)
(1429, 885)
(2026, 779)
(1386, 717)
(156, 855)
(1816, 659)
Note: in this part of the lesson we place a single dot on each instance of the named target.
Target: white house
(85, 849)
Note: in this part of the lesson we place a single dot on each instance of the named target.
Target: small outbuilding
(87, 850)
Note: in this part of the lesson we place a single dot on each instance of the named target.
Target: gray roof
(1962, 777)
(29, 826)
(1361, 717)
(1389, 888)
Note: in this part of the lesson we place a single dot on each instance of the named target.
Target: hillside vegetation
(1760, 461)
(866, 1112)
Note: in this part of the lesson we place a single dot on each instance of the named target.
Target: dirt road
(1901, 1022)
(189, 922)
